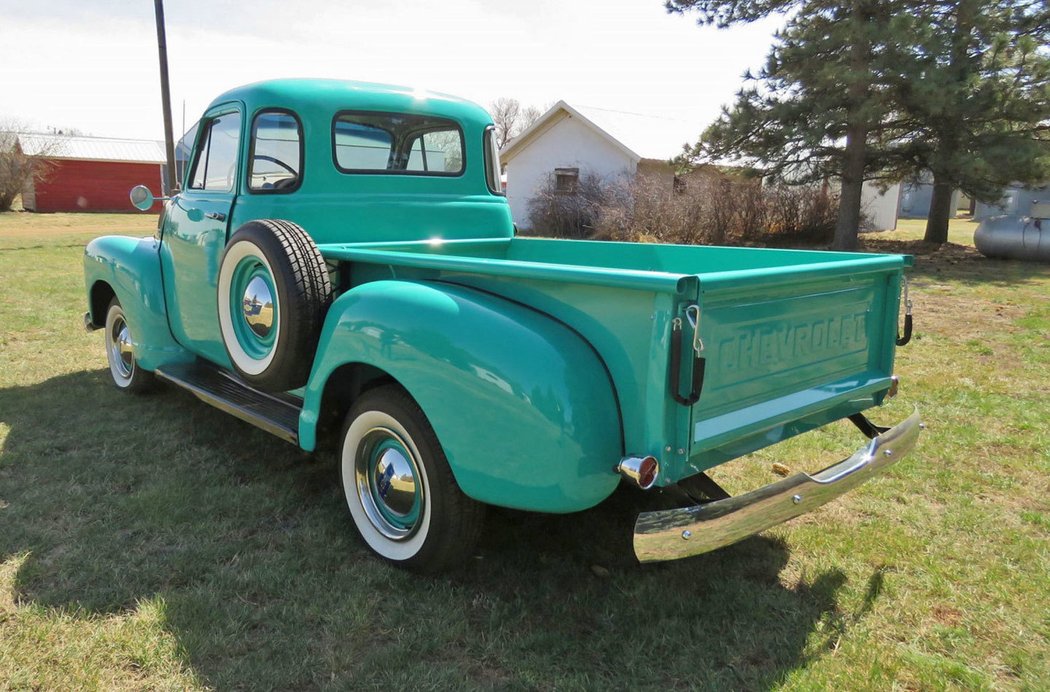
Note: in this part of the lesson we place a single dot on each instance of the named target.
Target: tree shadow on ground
(963, 263)
(246, 543)
(937, 262)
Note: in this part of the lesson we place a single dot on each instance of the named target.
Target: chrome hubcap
(394, 481)
(388, 484)
(258, 307)
(127, 357)
(123, 355)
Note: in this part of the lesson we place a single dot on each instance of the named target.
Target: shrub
(569, 214)
(711, 210)
(648, 209)
(801, 214)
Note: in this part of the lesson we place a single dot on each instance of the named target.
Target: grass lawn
(157, 543)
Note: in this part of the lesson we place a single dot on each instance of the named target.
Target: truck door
(196, 231)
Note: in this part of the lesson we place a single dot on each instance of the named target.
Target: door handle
(217, 215)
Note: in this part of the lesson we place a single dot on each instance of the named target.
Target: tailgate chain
(902, 340)
(699, 362)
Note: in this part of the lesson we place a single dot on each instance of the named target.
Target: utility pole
(165, 94)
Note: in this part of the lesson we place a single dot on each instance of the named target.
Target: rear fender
(130, 269)
(523, 406)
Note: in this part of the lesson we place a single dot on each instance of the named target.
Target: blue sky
(92, 65)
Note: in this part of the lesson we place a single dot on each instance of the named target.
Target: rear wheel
(120, 352)
(399, 488)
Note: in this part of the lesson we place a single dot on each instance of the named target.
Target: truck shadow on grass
(244, 546)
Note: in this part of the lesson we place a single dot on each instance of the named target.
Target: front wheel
(400, 490)
(120, 352)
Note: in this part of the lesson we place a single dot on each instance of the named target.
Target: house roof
(639, 135)
(92, 148)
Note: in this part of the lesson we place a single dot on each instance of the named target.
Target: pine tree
(859, 90)
(977, 86)
(819, 107)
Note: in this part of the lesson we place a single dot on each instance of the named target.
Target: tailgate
(791, 343)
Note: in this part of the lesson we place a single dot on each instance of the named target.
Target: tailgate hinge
(692, 314)
(902, 340)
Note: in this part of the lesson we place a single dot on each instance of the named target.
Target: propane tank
(1016, 237)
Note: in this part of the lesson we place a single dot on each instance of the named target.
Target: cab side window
(277, 153)
(216, 164)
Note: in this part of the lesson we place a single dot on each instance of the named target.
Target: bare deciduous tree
(505, 113)
(529, 115)
(17, 168)
(511, 118)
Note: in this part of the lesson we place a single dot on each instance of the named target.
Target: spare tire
(273, 294)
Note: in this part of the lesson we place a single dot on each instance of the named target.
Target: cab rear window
(397, 143)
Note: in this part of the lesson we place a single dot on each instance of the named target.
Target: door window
(216, 164)
(277, 154)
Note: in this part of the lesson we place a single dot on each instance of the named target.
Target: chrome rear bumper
(678, 533)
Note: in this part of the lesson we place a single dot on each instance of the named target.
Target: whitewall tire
(127, 375)
(399, 488)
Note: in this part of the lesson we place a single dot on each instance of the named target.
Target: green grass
(157, 543)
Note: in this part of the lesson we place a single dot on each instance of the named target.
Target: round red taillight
(642, 471)
(647, 473)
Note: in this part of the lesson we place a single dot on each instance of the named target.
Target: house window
(566, 180)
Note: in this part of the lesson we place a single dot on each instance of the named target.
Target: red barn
(91, 173)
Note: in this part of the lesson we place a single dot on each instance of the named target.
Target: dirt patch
(932, 254)
(946, 615)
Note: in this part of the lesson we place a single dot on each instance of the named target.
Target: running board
(277, 414)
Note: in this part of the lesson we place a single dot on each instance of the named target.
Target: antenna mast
(165, 94)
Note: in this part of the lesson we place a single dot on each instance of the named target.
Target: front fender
(523, 406)
(130, 267)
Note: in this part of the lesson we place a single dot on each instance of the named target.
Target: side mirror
(141, 198)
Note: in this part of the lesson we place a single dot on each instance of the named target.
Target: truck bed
(792, 339)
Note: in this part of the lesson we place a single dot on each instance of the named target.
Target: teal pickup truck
(342, 258)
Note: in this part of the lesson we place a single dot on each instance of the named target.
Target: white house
(567, 141)
(880, 207)
(904, 200)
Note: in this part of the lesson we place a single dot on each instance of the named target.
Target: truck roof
(335, 94)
